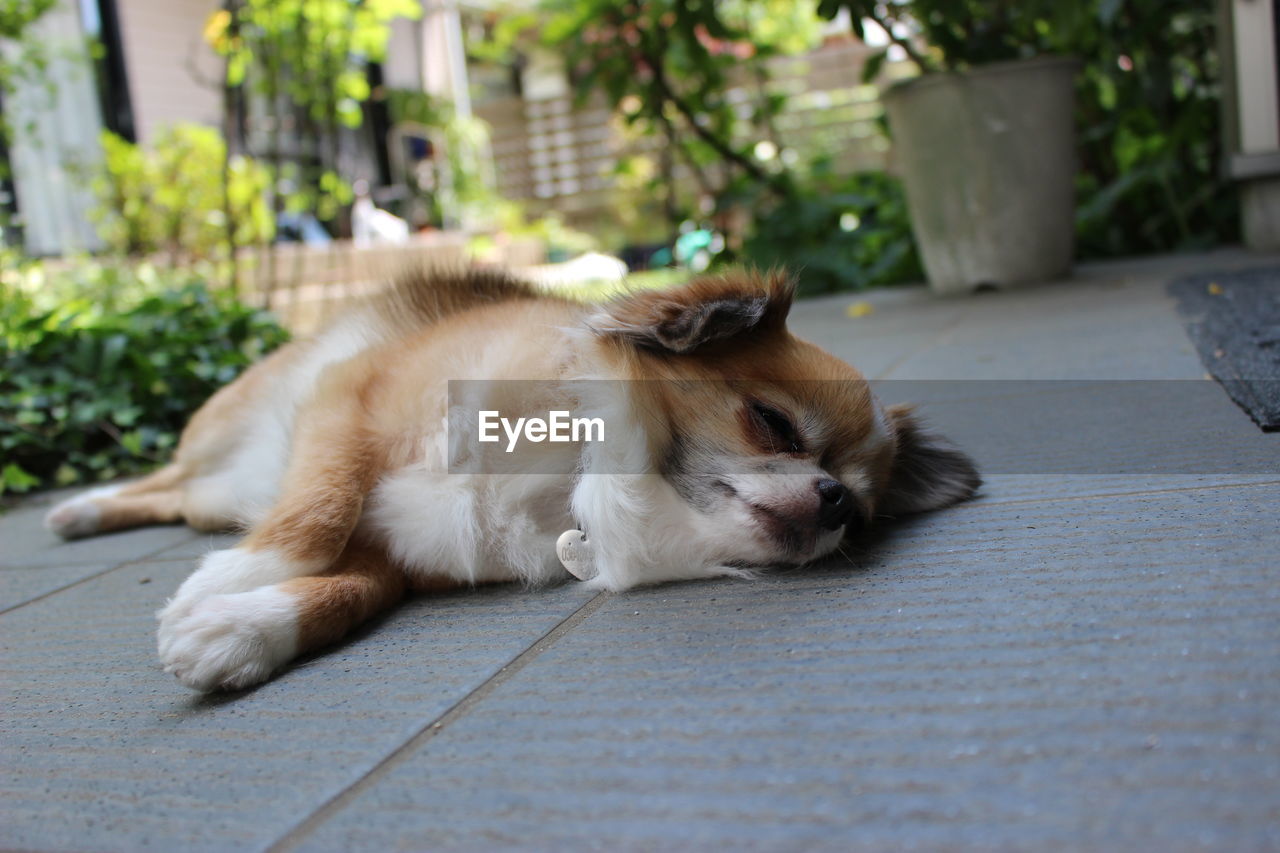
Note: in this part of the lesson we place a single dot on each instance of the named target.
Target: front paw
(222, 572)
(229, 642)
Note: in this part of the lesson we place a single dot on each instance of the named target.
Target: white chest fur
(471, 528)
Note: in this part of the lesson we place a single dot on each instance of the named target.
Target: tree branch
(673, 140)
(721, 147)
(887, 24)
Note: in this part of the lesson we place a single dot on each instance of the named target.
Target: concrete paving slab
(1110, 319)
(198, 546)
(21, 585)
(24, 542)
(1041, 488)
(1073, 660)
(1076, 331)
(1146, 427)
(1019, 677)
(893, 311)
(101, 750)
(111, 547)
(902, 321)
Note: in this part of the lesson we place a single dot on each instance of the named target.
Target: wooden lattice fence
(553, 155)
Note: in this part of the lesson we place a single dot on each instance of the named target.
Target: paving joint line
(979, 503)
(36, 566)
(299, 832)
(145, 558)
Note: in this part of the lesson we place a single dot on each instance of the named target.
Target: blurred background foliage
(1147, 112)
(853, 231)
(1148, 103)
(23, 56)
(305, 59)
(1149, 129)
(696, 77)
(102, 359)
(667, 64)
(172, 197)
(102, 364)
(467, 194)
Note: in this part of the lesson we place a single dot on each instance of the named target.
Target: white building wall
(174, 76)
(403, 67)
(427, 54)
(55, 123)
(1256, 162)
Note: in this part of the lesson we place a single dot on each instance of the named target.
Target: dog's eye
(782, 434)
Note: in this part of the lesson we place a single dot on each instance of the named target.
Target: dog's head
(778, 446)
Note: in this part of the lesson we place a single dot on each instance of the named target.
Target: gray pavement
(1086, 657)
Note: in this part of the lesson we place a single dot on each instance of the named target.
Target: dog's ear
(707, 309)
(928, 471)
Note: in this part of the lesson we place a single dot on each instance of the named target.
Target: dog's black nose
(837, 504)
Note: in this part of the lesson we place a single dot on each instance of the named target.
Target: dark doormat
(1234, 320)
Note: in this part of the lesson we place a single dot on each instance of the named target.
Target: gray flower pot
(988, 159)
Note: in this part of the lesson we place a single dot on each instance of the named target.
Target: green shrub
(1148, 103)
(88, 393)
(171, 197)
(838, 234)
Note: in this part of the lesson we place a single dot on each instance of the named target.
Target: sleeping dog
(731, 446)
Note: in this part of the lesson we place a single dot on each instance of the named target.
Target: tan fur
(361, 585)
(348, 435)
(343, 445)
(155, 499)
(122, 511)
(694, 398)
(336, 458)
(713, 344)
(421, 298)
(215, 429)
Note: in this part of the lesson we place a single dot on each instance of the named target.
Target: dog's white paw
(78, 516)
(229, 641)
(73, 519)
(220, 572)
(230, 570)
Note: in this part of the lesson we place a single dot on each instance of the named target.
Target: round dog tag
(576, 555)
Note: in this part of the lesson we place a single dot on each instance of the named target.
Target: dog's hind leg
(231, 641)
(154, 499)
(120, 512)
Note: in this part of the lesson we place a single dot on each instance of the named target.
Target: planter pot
(988, 160)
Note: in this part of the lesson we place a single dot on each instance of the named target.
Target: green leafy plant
(24, 57)
(667, 68)
(1147, 102)
(952, 35)
(306, 61)
(1149, 119)
(173, 197)
(89, 394)
(838, 233)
